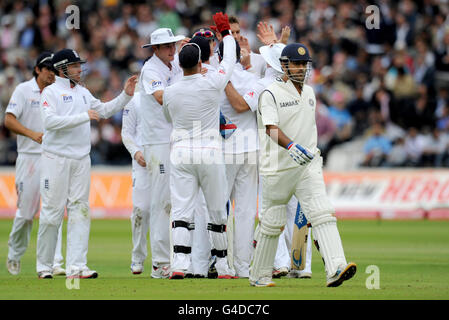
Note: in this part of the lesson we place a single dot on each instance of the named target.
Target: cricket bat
(299, 240)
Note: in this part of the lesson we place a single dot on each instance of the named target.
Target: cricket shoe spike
(13, 267)
(177, 275)
(136, 268)
(280, 272)
(44, 275)
(162, 272)
(58, 271)
(262, 282)
(343, 273)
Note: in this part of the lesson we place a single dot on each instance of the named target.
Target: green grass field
(412, 256)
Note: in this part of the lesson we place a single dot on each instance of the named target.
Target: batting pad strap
(219, 253)
(216, 227)
(183, 224)
(182, 249)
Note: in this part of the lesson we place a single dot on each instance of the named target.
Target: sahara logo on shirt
(289, 103)
(66, 98)
(12, 105)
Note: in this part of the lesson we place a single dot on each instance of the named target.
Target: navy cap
(45, 59)
(65, 57)
(296, 52)
(203, 43)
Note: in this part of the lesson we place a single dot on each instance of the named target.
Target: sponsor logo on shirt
(251, 94)
(35, 103)
(161, 169)
(84, 98)
(45, 104)
(155, 83)
(221, 71)
(46, 184)
(289, 103)
(67, 98)
(125, 112)
(12, 105)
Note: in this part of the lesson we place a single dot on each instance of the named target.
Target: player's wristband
(225, 33)
(289, 145)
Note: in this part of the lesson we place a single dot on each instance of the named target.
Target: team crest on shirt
(125, 112)
(311, 102)
(66, 98)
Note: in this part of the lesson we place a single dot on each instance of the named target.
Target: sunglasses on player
(206, 34)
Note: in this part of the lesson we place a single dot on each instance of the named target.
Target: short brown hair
(233, 19)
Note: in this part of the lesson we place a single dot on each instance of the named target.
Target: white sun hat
(161, 36)
(271, 55)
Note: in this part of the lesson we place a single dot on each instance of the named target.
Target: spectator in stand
(414, 145)
(376, 148)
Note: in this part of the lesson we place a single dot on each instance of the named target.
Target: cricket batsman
(290, 164)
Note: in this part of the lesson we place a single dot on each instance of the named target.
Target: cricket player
(66, 111)
(192, 104)
(241, 153)
(159, 72)
(140, 217)
(23, 118)
(291, 165)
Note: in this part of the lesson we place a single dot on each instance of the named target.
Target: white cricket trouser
(242, 191)
(28, 205)
(307, 184)
(140, 217)
(157, 158)
(283, 253)
(201, 242)
(64, 182)
(185, 183)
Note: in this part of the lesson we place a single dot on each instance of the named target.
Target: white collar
(64, 82)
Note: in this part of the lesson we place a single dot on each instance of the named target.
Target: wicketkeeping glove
(222, 22)
(299, 154)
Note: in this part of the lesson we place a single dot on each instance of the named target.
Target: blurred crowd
(387, 85)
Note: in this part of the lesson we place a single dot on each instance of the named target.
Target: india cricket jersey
(281, 105)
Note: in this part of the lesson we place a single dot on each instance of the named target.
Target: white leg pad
(329, 244)
(274, 220)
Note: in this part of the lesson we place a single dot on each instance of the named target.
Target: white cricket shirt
(65, 118)
(281, 105)
(193, 103)
(156, 76)
(24, 105)
(252, 97)
(244, 138)
(132, 126)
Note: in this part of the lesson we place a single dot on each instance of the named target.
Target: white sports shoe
(344, 272)
(280, 272)
(58, 271)
(223, 269)
(136, 268)
(85, 273)
(13, 267)
(162, 272)
(262, 282)
(299, 274)
(44, 275)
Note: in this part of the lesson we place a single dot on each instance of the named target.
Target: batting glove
(299, 154)
(222, 22)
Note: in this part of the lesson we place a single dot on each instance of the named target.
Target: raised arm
(107, 109)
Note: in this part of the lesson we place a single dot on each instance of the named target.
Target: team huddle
(217, 134)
